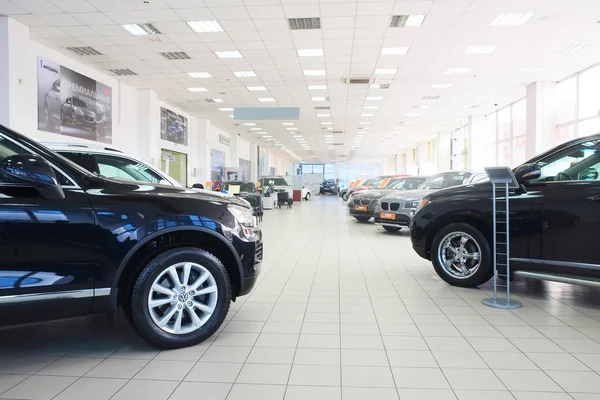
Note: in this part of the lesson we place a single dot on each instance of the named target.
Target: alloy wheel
(182, 298)
(459, 254)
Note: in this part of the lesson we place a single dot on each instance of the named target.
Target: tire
(362, 219)
(477, 243)
(345, 197)
(157, 273)
(392, 228)
(307, 197)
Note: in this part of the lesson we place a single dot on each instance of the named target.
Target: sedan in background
(362, 204)
(371, 183)
(395, 210)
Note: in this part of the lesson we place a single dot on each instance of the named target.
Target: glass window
(307, 169)
(126, 168)
(504, 124)
(518, 151)
(318, 169)
(564, 133)
(579, 162)
(504, 153)
(589, 93)
(566, 96)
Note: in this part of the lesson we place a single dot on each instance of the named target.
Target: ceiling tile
(441, 20)
(9, 8)
(79, 31)
(47, 32)
(110, 5)
(337, 22)
(338, 10)
(38, 6)
(265, 11)
(412, 7)
(372, 22)
(338, 33)
(185, 3)
(275, 36)
(95, 41)
(30, 20)
(160, 15)
(301, 10)
(237, 25)
(94, 18)
(126, 17)
(195, 14)
(174, 27)
(250, 46)
(230, 13)
(226, 3)
(375, 8)
(268, 24)
(284, 44)
(109, 30)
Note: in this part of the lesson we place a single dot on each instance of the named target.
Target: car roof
(238, 181)
(65, 146)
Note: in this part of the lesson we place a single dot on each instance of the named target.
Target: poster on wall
(72, 104)
(173, 127)
(262, 162)
(245, 167)
(217, 168)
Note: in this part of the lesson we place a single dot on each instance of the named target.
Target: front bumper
(370, 212)
(401, 218)
(251, 256)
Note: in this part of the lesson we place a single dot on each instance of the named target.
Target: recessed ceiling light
(230, 115)
(205, 26)
(326, 123)
(569, 48)
(329, 129)
(317, 87)
(226, 109)
(256, 88)
(197, 89)
(420, 106)
(458, 70)
(261, 133)
(441, 85)
(228, 54)
(310, 52)
(506, 19)
(244, 74)
(531, 70)
(266, 99)
(412, 114)
(217, 100)
(407, 21)
(141, 29)
(255, 129)
(394, 51)
(367, 115)
(287, 123)
(374, 98)
(365, 122)
(323, 115)
(314, 72)
(197, 75)
(292, 129)
(480, 49)
(385, 71)
(249, 124)
(318, 99)
(371, 107)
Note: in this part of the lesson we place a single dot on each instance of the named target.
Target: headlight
(411, 204)
(247, 222)
(422, 204)
(78, 111)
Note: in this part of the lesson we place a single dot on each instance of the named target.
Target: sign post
(501, 178)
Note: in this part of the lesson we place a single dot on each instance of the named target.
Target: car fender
(111, 312)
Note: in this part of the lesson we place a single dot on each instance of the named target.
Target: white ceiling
(353, 34)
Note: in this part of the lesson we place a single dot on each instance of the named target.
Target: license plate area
(360, 208)
(387, 216)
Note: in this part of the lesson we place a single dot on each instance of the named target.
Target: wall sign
(225, 140)
(72, 104)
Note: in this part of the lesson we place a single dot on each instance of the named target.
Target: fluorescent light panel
(287, 123)
(141, 29)
(314, 72)
(323, 115)
(244, 74)
(197, 75)
(367, 115)
(228, 54)
(256, 88)
(374, 98)
(318, 99)
(310, 52)
(197, 89)
(458, 70)
(217, 100)
(508, 19)
(266, 99)
(226, 109)
(205, 26)
(250, 124)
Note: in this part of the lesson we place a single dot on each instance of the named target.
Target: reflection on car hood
(407, 195)
(372, 194)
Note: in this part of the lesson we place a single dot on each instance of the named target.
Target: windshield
(405, 184)
(375, 181)
(274, 182)
(239, 187)
(78, 102)
(445, 180)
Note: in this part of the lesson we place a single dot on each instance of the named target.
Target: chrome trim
(569, 264)
(66, 295)
(558, 278)
(102, 292)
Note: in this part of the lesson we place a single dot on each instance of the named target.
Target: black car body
(362, 204)
(554, 216)
(245, 190)
(76, 244)
(75, 112)
(328, 186)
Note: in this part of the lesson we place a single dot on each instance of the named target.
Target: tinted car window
(443, 181)
(579, 162)
(274, 182)
(125, 168)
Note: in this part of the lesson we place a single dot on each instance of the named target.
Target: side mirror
(198, 186)
(527, 172)
(33, 170)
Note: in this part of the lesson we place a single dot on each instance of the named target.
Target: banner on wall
(173, 127)
(72, 104)
(245, 167)
(217, 168)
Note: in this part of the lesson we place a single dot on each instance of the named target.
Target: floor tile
(214, 372)
(92, 389)
(472, 379)
(405, 343)
(483, 394)
(313, 393)
(193, 353)
(321, 328)
(448, 343)
(271, 355)
(410, 358)
(577, 381)
(26, 365)
(147, 390)
(426, 394)
(361, 342)
(315, 375)
(39, 387)
(320, 341)
(226, 354)
(459, 359)
(420, 378)
(317, 356)
(274, 374)
(367, 376)
(165, 370)
(498, 360)
(241, 391)
(373, 358)
(361, 393)
(236, 339)
(117, 368)
(527, 381)
(527, 345)
(9, 380)
(557, 362)
(70, 366)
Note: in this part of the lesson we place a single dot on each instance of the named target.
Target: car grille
(357, 202)
(258, 255)
(385, 206)
(365, 202)
(394, 206)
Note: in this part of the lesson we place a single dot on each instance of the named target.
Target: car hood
(407, 195)
(372, 194)
(124, 187)
(477, 189)
(86, 111)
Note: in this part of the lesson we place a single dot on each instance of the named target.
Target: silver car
(395, 210)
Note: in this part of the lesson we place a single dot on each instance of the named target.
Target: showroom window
(505, 135)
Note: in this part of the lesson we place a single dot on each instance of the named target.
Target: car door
(47, 249)
(569, 194)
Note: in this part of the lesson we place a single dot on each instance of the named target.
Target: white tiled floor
(343, 310)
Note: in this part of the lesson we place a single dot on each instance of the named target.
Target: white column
(233, 160)
(476, 141)
(540, 117)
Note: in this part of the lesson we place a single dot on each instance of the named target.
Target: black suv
(554, 219)
(74, 244)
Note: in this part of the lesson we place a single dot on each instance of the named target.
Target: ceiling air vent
(338, 144)
(210, 101)
(358, 81)
(384, 86)
(337, 132)
(304, 23)
(176, 55)
(322, 108)
(401, 21)
(84, 51)
(122, 72)
(430, 97)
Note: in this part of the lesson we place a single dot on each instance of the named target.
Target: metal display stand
(502, 178)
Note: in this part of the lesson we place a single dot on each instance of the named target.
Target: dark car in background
(362, 205)
(245, 190)
(75, 243)
(75, 112)
(328, 187)
(554, 220)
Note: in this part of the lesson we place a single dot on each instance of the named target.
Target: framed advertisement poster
(245, 167)
(72, 104)
(173, 127)
(217, 168)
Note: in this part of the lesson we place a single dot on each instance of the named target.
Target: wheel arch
(475, 220)
(168, 238)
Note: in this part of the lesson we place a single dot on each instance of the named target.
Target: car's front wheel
(180, 298)
(345, 197)
(461, 255)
